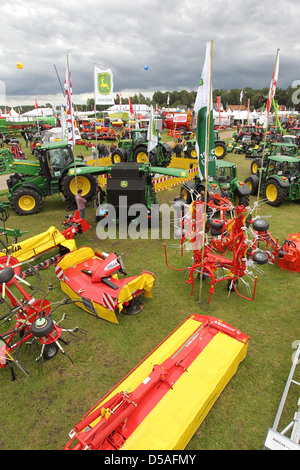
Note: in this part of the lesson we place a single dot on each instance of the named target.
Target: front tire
(26, 201)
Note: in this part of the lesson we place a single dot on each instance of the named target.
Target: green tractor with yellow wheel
(135, 149)
(220, 147)
(31, 181)
(280, 180)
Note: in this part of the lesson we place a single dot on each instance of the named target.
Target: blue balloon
(146, 67)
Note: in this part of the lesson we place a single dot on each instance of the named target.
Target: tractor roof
(224, 164)
(284, 158)
(55, 145)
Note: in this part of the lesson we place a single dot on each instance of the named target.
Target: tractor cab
(54, 157)
(284, 148)
(285, 167)
(225, 172)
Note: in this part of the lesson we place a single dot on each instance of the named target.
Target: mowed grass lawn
(37, 412)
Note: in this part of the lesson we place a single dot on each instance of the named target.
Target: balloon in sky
(146, 67)
(19, 65)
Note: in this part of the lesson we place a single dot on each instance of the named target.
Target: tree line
(187, 99)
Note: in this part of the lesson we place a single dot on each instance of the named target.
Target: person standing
(81, 203)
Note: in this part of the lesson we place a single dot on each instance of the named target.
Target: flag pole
(206, 171)
(265, 136)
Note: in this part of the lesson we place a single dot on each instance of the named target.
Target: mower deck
(161, 403)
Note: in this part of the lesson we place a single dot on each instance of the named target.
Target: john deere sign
(103, 86)
(104, 83)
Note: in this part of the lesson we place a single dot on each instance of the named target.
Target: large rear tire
(87, 183)
(26, 201)
(274, 193)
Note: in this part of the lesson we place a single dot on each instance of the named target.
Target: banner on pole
(103, 85)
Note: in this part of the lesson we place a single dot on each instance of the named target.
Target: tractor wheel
(26, 201)
(185, 193)
(255, 166)
(153, 158)
(191, 152)
(140, 155)
(118, 156)
(241, 199)
(220, 150)
(87, 183)
(252, 185)
(167, 155)
(274, 193)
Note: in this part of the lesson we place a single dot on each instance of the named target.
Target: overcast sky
(167, 35)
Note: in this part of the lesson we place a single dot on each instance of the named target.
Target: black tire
(255, 165)
(50, 350)
(42, 327)
(216, 224)
(230, 286)
(153, 158)
(191, 152)
(260, 257)
(274, 194)
(252, 185)
(185, 191)
(260, 225)
(87, 183)
(118, 156)
(220, 150)
(26, 201)
(167, 155)
(241, 199)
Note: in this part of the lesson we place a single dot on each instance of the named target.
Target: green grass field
(37, 412)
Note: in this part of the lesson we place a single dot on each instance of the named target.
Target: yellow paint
(177, 416)
(33, 246)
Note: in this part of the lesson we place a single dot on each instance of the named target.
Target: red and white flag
(70, 128)
(36, 104)
(272, 90)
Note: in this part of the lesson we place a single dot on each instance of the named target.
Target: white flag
(152, 134)
(103, 85)
(272, 90)
(205, 123)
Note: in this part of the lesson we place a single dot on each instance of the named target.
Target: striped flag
(205, 123)
(69, 107)
(272, 90)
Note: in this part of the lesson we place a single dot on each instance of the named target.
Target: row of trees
(185, 98)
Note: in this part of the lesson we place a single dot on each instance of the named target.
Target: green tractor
(46, 176)
(280, 179)
(220, 147)
(135, 149)
(226, 175)
(276, 148)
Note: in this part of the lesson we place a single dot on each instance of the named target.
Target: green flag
(205, 142)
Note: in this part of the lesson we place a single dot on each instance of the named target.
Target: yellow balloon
(19, 65)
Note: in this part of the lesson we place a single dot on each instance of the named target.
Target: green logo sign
(104, 83)
(124, 184)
